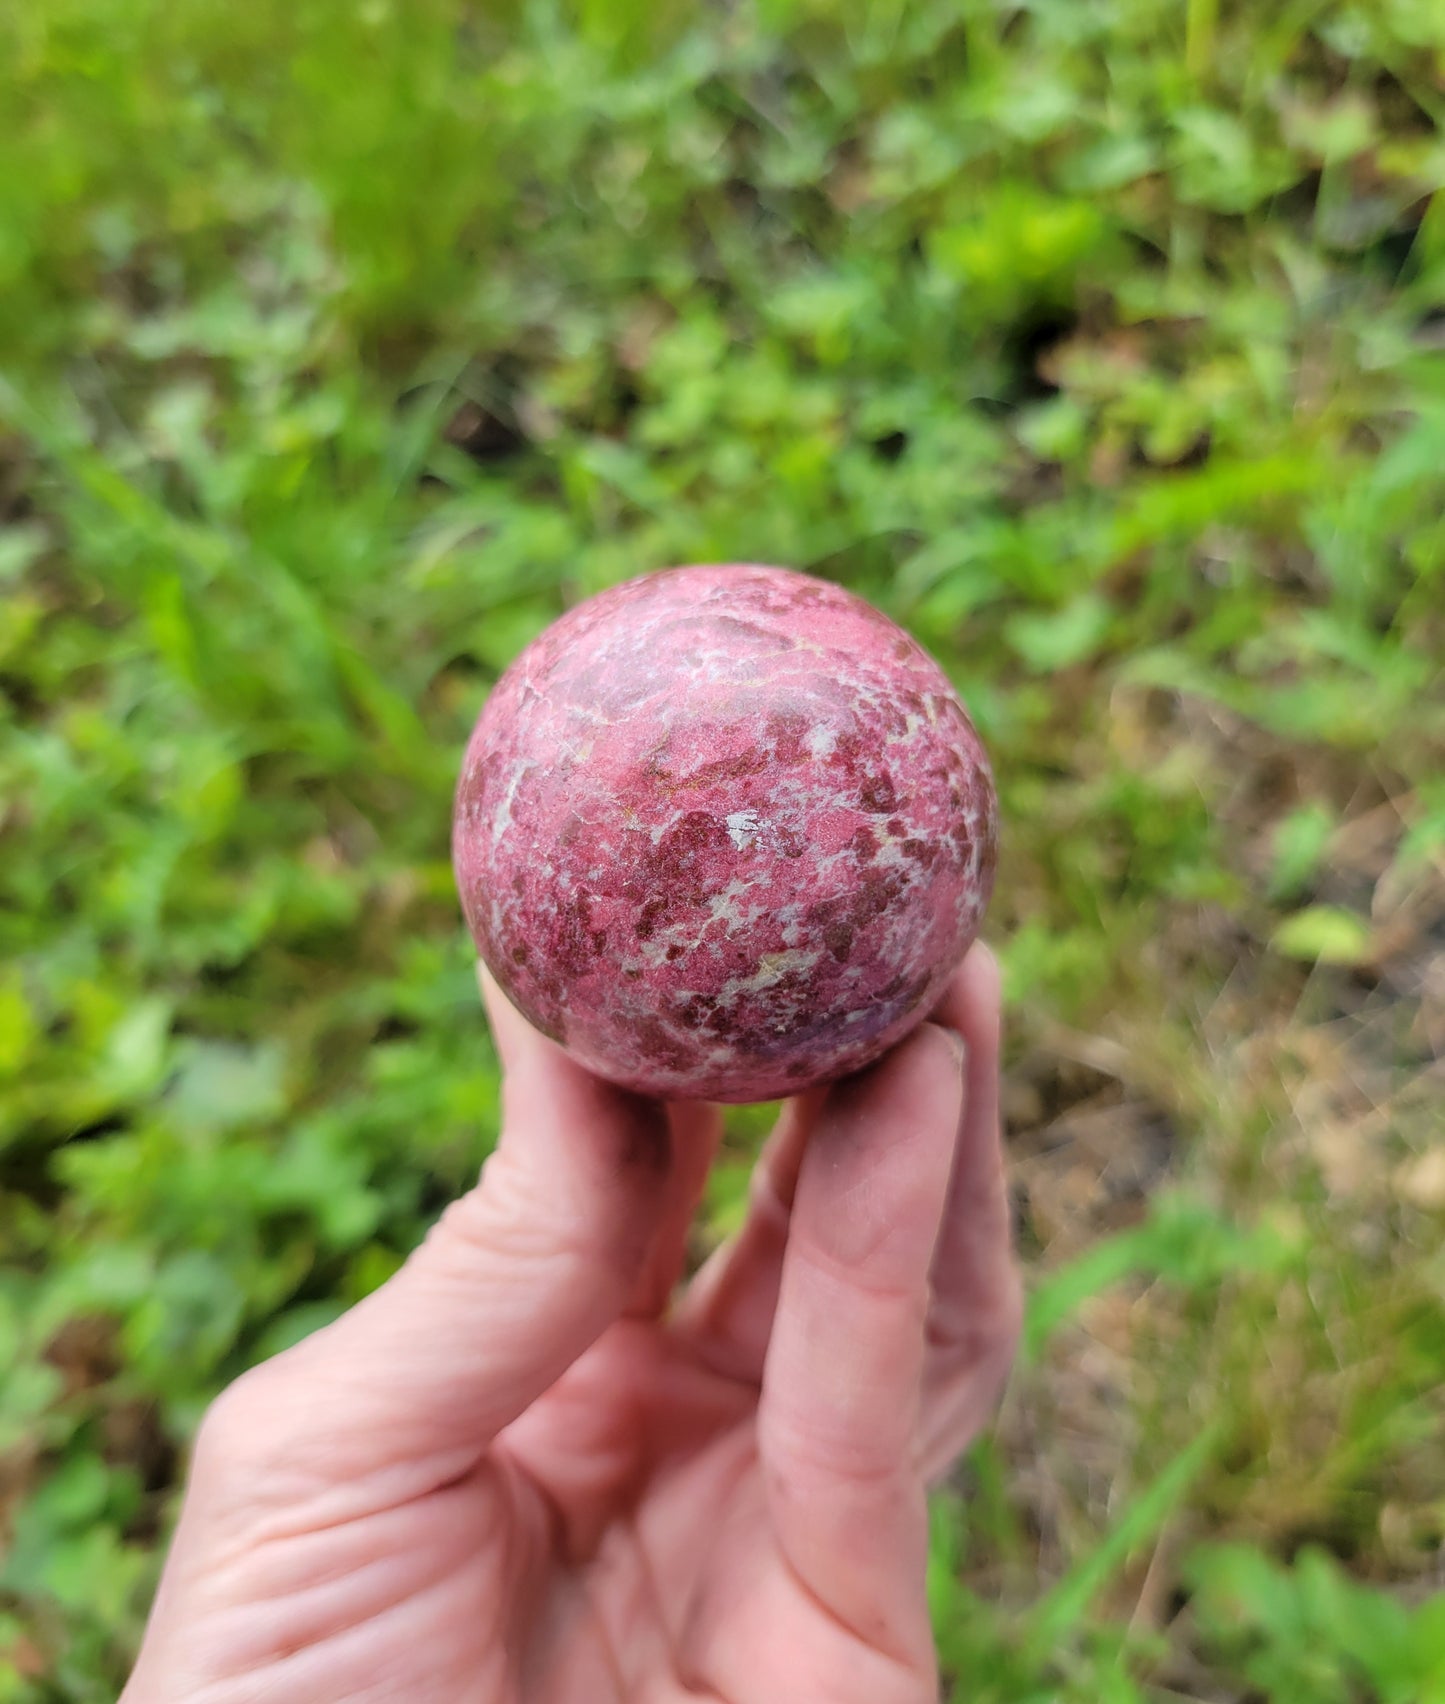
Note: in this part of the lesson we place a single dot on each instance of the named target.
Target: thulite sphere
(724, 833)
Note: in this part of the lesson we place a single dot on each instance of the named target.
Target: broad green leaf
(1324, 934)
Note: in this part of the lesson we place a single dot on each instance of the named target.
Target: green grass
(1101, 343)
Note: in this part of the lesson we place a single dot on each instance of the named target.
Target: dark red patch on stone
(877, 794)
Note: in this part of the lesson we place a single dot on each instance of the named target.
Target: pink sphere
(724, 833)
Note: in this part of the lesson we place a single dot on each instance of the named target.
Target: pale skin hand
(518, 1473)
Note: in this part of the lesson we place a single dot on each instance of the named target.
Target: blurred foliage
(1100, 341)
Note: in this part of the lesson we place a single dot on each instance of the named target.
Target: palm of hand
(662, 1580)
(726, 1504)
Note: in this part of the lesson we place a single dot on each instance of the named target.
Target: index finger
(838, 1413)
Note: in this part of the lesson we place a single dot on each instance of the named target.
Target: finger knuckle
(239, 1429)
(800, 1455)
(983, 1337)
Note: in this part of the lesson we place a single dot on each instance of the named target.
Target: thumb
(515, 1281)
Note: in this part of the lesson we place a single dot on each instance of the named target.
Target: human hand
(513, 1473)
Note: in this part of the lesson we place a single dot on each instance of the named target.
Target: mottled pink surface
(724, 833)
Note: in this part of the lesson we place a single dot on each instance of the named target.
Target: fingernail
(958, 1044)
